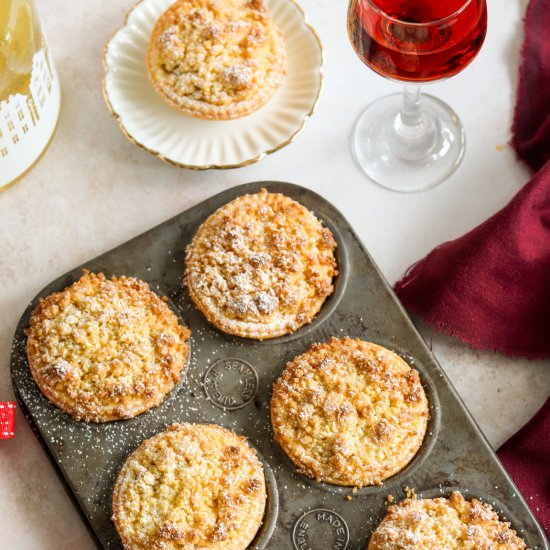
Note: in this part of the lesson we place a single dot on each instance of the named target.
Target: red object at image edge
(7, 419)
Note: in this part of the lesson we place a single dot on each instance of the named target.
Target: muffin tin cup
(229, 382)
(156, 288)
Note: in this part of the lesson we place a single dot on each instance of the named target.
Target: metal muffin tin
(229, 382)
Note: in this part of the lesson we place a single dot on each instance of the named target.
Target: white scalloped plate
(200, 144)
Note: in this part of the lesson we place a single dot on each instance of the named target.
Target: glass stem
(413, 135)
(411, 113)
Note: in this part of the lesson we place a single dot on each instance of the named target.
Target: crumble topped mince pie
(216, 59)
(191, 486)
(444, 523)
(261, 266)
(105, 349)
(349, 412)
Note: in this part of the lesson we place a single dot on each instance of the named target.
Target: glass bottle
(29, 90)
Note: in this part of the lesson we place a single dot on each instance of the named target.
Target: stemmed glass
(410, 142)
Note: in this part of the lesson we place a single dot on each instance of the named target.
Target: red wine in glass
(415, 141)
(395, 38)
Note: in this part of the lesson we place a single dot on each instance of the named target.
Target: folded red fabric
(526, 456)
(531, 128)
(491, 287)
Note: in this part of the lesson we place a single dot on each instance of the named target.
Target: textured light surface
(94, 190)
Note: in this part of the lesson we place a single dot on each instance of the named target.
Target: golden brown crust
(191, 486)
(349, 412)
(216, 59)
(104, 349)
(444, 524)
(261, 266)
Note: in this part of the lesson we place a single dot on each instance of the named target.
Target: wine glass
(412, 142)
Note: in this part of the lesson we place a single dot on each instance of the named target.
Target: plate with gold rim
(201, 144)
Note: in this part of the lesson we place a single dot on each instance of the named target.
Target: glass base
(408, 158)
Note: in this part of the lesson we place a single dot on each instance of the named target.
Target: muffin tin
(229, 382)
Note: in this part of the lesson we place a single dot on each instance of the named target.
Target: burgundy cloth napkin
(531, 128)
(526, 456)
(491, 287)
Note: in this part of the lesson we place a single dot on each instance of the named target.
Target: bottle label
(28, 116)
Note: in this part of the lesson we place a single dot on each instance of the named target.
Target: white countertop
(94, 190)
